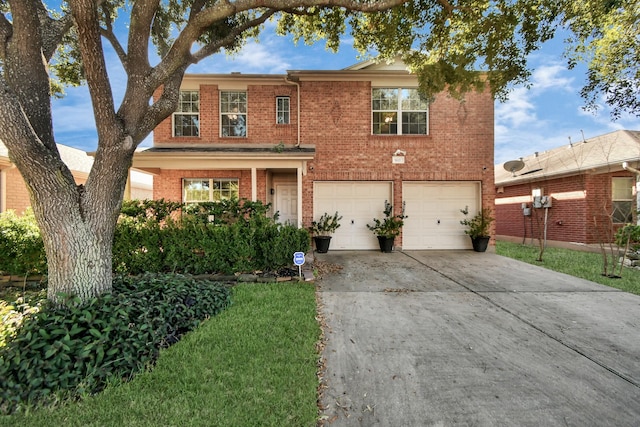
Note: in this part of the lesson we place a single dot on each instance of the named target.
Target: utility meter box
(542, 202)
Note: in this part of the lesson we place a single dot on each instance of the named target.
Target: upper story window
(622, 199)
(399, 111)
(233, 113)
(195, 190)
(186, 120)
(282, 110)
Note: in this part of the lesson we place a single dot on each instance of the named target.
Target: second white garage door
(358, 203)
(433, 210)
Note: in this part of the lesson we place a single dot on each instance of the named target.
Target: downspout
(299, 171)
(291, 82)
(626, 167)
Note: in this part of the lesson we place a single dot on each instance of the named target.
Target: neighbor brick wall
(17, 196)
(579, 213)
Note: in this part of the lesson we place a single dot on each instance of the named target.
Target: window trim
(398, 112)
(185, 113)
(211, 189)
(614, 199)
(287, 111)
(245, 114)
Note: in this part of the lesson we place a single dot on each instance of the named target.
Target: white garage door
(358, 203)
(433, 210)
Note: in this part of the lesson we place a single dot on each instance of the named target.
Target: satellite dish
(513, 166)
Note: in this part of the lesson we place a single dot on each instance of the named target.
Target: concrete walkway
(459, 338)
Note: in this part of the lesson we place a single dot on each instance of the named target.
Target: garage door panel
(433, 211)
(358, 203)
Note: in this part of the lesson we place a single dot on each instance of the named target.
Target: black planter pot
(322, 243)
(386, 243)
(480, 243)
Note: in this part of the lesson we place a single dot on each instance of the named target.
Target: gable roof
(76, 160)
(602, 153)
(375, 65)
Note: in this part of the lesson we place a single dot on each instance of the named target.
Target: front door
(287, 203)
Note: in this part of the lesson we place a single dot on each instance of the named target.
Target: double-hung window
(282, 110)
(622, 199)
(195, 190)
(186, 120)
(399, 111)
(233, 113)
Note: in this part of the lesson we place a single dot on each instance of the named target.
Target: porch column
(127, 187)
(3, 190)
(254, 185)
(299, 176)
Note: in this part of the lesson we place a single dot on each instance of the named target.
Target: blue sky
(536, 119)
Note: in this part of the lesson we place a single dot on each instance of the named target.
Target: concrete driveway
(458, 338)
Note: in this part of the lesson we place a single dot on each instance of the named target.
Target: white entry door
(358, 202)
(287, 203)
(433, 210)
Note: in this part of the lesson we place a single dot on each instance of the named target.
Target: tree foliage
(606, 36)
(445, 42)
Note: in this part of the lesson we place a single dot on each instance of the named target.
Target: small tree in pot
(478, 227)
(322, 230)
(388, 228)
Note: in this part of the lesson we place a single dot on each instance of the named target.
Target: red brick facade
(581, 206)
(336, 120)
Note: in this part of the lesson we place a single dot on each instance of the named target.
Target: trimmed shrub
(222, 237)
(21, 247)
(76, 349)
(153, 236)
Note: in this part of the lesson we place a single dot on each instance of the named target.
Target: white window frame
(211, 190)
(283, 111)
(237, 117)
(396, 109)
(179, 112)
(623, 181)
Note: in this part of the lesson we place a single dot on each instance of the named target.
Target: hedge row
(160, 236)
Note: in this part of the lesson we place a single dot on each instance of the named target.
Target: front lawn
(586, 265)
(253, 364)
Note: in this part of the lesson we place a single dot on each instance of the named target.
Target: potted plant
(478, 227)
(322, 230)
(388, 228)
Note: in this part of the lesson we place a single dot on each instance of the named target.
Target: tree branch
(165, 105)
(212, 48)
(108, 34)
(85, 14)
(142, 16)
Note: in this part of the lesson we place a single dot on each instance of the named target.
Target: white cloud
(547, 77)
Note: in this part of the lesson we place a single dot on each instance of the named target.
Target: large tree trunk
(79, 258)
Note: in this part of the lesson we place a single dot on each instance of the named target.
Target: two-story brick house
(346, 140)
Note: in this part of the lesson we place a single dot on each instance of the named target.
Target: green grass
(586, 265)
(255, 364)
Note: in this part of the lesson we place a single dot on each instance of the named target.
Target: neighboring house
(13, 191)
(346, 140)
(14, 194)
(590, 192)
